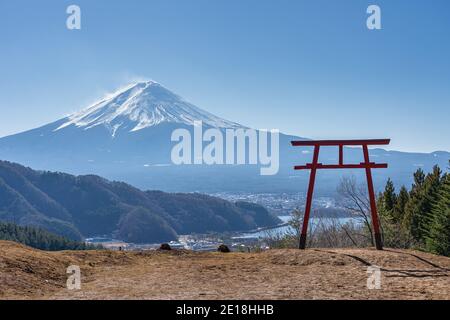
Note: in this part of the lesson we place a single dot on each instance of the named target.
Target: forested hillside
(82, 206)
(419, 217)
(39, 238)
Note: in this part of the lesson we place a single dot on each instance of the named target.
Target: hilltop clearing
(275, 274)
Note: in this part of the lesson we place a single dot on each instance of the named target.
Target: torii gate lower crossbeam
(367, 165)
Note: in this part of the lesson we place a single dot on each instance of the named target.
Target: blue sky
(309, 68)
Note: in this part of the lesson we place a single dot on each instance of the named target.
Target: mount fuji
(139, 106)
(127, 136)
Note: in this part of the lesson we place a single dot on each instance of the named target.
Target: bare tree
(323, 233)
(356, 201)
(296, 222)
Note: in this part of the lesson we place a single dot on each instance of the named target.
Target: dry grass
(275, 274)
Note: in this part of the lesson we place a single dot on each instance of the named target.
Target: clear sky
(310, 68)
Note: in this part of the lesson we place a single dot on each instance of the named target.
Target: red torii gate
(341, 165)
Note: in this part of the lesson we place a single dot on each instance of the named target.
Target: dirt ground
(27, 273)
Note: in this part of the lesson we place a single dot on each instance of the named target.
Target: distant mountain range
(83, 206)
(127, 136)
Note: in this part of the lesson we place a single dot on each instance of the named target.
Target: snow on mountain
(142, 105)
(126, 136)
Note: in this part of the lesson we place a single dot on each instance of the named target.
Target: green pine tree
(413, 209)
(389, 196)
(400, 206)
(432, 188)
(438, 238)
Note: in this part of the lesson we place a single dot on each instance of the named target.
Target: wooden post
(373, 204)
(312, 178)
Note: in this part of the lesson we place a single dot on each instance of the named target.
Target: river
(285, 229)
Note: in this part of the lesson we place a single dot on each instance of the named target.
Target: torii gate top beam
(341, 142)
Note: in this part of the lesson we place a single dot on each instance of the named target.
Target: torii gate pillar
(367, 165)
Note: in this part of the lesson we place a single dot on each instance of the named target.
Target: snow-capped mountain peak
(141, 105)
